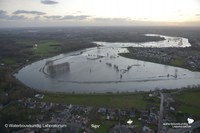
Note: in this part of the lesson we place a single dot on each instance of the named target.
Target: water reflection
(54, 70)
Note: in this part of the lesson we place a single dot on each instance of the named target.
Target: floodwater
(100, 70)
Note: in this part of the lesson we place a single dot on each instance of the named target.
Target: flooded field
(101, 69)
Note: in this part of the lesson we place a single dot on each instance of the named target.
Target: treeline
(126, 37)
(10, 92)
(12, 50)
(76, 45)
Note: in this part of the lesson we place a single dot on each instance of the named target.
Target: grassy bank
(188, 101)
(132, 100)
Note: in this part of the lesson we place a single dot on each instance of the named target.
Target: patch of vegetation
(46, 47)
(178, 62)
(189, 101)
(8, 61)
(189, 109)
(134, 100)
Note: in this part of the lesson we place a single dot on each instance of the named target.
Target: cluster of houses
(167, 55)
(153, 53)
(74, 116)
(80, 117)
(145, 118)
(193, 62)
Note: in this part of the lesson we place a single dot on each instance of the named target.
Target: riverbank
(188, 58)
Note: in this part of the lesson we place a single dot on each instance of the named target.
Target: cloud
(3, 14)
(72, 17)
(67, 17)
(28, 12)
(49, 2)
(112, 19)
(37, 18)
(15, 17)
(56, 17)
(198, 15)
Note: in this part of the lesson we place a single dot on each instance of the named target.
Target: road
(160, 121)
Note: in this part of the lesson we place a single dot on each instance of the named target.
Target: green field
(189, 101)
(44, 47)
(8, 60)
(178, 62)
(132, 100)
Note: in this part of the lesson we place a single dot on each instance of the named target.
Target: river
(100, 70)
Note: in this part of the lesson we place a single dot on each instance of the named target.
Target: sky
(37, 13)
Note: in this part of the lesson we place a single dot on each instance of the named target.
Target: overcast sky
(34, 13)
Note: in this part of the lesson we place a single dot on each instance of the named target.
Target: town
(94, 119)
(169, 56)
